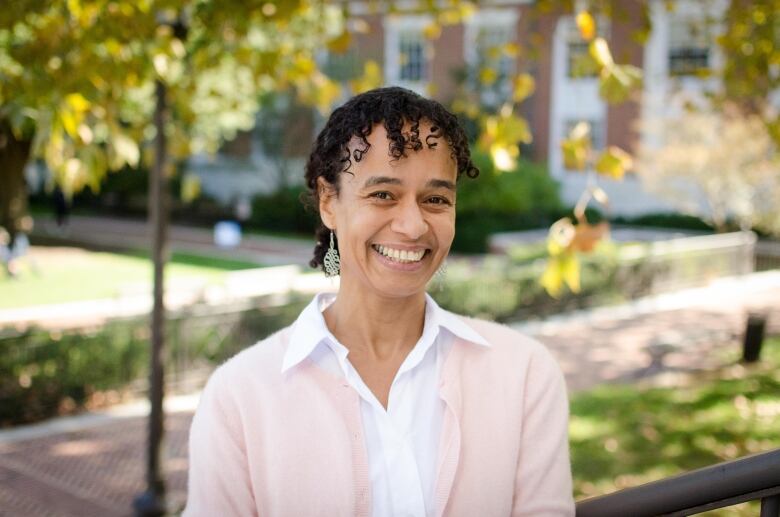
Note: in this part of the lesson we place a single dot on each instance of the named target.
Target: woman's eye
(439, 200)
(382, 195)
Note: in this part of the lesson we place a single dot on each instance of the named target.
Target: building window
(491, 61)
(411, 56)
(407, 52)
(689, 48)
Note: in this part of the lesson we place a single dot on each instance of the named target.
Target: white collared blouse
(402, 442)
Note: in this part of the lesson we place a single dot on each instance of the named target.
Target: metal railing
(751, 478)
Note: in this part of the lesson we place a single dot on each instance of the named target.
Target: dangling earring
(332, 261)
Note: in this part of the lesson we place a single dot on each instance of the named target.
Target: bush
(506, 288)
(666, 220)
(45, 373)
(283, 211)
(522, 199)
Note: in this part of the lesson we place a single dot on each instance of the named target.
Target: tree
(720, 165)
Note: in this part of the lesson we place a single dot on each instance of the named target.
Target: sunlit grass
(624, 435)
(60, 275)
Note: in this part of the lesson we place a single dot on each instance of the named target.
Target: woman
(376, 401)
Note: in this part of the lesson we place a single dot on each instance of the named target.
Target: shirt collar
(309, 330)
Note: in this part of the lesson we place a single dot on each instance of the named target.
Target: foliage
(524, 198)
(671, 220)
(283, 211)
(725, 159)
(507, 288)
(47, 373)
(622, 435)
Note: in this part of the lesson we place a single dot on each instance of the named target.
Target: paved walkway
(93, 464)
(112, 232)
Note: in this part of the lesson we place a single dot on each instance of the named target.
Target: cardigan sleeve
(218, 481)
(543, 484)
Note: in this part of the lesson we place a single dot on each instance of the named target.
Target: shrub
(283, 211)
(518, 200)
(506, 288)
(44, 373)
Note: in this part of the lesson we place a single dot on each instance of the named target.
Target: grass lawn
(58, 275)
(625, 435)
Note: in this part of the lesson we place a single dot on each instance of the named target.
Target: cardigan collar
(310, 329)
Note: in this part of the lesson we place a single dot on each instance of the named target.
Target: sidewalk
(93, 464)
(112, 232)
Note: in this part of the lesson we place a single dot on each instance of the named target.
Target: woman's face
(394, 219)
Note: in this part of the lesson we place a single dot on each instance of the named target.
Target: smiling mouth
(400, 256)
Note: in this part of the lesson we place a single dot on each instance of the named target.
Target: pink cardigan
(263, 443)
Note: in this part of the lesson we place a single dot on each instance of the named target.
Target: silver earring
(332, 261)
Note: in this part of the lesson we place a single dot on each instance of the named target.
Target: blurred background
(627, 214)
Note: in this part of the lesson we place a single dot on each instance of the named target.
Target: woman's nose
(409, 221)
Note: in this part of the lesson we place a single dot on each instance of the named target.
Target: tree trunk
(14, 154)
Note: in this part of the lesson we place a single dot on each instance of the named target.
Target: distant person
(61, 207)
(376, 401)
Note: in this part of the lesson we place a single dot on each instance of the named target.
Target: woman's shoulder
(260, 362)
(509, 345)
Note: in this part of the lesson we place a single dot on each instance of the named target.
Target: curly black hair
(394, 107)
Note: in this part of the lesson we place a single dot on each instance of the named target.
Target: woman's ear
(328, 197)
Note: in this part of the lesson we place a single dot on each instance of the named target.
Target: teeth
(400, 255)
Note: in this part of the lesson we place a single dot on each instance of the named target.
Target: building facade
(511, 36)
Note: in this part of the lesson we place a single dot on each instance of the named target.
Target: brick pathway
(98, 469)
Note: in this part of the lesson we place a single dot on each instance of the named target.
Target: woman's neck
(378, 326)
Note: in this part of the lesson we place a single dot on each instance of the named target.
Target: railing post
(770, 506)
(754, 337)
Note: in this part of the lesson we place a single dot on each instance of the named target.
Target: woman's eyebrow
(441, 184)
(380, 180)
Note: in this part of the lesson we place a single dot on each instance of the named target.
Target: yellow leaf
(552, 280)
(487, 76)
(126, 150)
(564, 268)
(77, 102)
(524, 86)
(570, 270)
(85, 133)
(371, 78)
(587, 25)
(559, 236)
(304, 65)
(580, 131)
(618, 82)
(614, 162)
(511, 49)
(340, 43)
(161, 64)
(504, 157)
(69, 122)
(432, 31)
(190, 188)
(599, 49)
(576, 147)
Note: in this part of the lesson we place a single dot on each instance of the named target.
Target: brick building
(672, 56)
